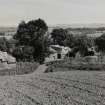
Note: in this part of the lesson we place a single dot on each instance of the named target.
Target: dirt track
(61, 88)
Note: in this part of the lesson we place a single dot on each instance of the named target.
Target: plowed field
(60, 88)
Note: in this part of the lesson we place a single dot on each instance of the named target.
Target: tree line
(33, 41)
(81, 42)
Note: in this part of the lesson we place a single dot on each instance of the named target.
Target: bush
(23, 53)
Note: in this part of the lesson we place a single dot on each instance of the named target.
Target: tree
(22, 34)
(32, 34)
(83, 43)
(28, 53)
(27, 33)
(70, 40)
(3, 44)
(37, 29)
(18, 54)
(59, 35)
(100, 43)
(23, 53)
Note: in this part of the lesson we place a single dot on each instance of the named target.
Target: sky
(12, 12)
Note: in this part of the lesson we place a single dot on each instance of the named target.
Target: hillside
(8, 29)
(77, 25)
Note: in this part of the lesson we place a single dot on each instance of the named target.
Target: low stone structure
(7, 61)
(91, 59)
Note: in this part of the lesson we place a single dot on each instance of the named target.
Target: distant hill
(7, 32)
(91, 30)
(8, 29)
(94, 25)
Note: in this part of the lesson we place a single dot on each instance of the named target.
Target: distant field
(61, 88)
(63, 65)
(8, 29)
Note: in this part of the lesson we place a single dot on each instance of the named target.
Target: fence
(20, 68)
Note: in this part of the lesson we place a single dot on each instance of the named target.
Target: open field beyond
(58, 88)
(62, 65)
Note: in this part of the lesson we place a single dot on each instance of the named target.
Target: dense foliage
(83, 43)
(59, 35)
(100, 43)
(69, 41)
(4, 46)
(31, 35)
(77, 43)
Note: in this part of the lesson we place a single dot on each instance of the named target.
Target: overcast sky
(52, 11)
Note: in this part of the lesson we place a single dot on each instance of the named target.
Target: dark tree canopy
(83, 43)
(3, 44)
(100, 43)
(32, 34)
(23, 53)
(59, 35)
(27, 33)
(70, 40)
(22, 33)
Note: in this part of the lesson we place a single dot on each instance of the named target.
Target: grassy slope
(59, 88)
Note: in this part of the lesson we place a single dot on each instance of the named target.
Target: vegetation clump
(31, 41)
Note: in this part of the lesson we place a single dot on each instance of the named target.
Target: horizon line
(62, 24)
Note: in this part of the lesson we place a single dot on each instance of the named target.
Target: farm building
(57, 53)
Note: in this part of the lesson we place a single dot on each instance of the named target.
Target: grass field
(58, 88)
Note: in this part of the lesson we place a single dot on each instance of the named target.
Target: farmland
(70, 83)
(58, 88)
